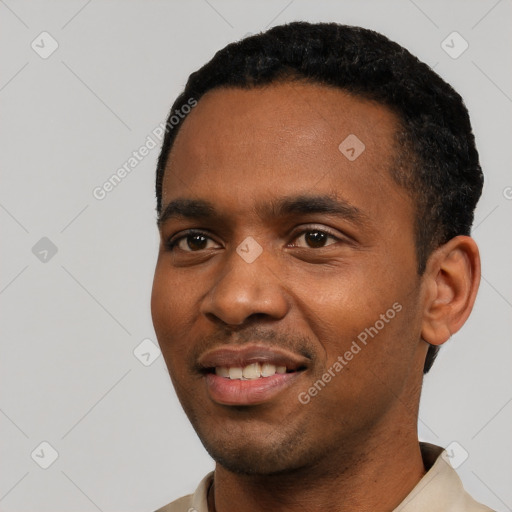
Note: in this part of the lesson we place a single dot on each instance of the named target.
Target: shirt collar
(439, 489)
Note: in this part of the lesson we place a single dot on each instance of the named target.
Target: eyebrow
(199, 209)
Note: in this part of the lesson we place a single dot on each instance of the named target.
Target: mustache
(267, 337)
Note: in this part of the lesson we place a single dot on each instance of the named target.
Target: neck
(377, 475)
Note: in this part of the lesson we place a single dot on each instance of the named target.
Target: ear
(450, 283)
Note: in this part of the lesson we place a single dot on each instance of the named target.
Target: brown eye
(196, 242)
(315, 239)
(192, 242)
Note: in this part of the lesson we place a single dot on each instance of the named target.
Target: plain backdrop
(76, 271)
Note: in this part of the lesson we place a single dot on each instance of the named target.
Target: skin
(354, 446)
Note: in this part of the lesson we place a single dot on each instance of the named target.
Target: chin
(252, 462)
(268, 455)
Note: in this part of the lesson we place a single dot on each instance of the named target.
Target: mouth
(249, 375)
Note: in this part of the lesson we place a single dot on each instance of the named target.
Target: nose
(245, 289)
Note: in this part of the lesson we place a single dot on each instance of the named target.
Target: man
(315, 193)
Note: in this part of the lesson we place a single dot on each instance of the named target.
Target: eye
(192, 241)
(315, 239)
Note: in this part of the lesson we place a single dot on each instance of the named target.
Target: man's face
(336, 236)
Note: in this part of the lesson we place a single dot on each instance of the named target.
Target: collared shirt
(440, 489)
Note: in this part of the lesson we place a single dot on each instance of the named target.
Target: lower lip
(247, 392)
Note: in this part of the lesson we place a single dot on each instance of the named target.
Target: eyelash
(172, 243)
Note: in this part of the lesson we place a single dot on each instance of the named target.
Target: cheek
(173, 315)
(162, 304)
(341, 303)
(368, 316)
(171, 296)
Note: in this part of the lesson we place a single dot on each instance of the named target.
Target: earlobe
(450, 283)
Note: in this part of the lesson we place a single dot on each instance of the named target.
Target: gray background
(70, 322)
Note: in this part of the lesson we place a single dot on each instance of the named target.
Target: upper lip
(240, 356)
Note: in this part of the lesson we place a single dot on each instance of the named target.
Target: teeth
(235, 373)
(267, 370)
(222, 371)
(249, 372)
(252, 371)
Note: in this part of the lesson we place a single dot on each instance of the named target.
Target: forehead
(239, 146)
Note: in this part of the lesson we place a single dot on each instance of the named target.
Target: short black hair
(437, 160)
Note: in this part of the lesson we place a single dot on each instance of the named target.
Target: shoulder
(196, 502)
(440, 488)
(183, 504)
